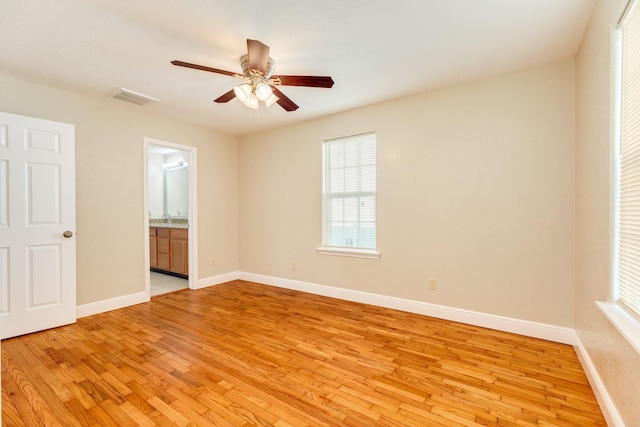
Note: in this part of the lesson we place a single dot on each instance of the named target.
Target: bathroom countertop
(166, 225)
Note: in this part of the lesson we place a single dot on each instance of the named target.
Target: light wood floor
(242, 354)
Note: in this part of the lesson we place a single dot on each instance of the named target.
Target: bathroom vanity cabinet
(169, 250)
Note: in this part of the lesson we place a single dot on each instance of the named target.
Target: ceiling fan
(257, 67)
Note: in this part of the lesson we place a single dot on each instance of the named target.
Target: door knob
(67, 234)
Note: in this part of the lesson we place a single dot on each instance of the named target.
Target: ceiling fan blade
(258, 55)
(310, 81)
(283, 100)
(202, 67)
(226, 97)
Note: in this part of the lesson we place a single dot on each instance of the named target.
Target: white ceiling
(374, 50)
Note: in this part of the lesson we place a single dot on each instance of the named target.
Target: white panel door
(37, 225)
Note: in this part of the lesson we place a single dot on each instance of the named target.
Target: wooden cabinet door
(180, 250)
(153, 248)
(179, 256)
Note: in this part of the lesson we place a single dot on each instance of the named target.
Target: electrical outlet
(432, 284)
(213, 262)
(294, 266)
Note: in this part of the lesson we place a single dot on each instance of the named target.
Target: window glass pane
(368, 153)
(351, 209)
(350, 234)
(351, 181)
(337, 209)
(344, 234)
(351, 155)
(367, 210)
(367, 235)
(336, 157)
(337, 234)
(336, 181)
(368, 178)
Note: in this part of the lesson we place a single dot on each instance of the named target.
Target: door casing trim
(193, 210)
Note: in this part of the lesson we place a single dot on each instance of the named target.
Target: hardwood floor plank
(10, 413)
(121, 418)
(220, 410)
(168, 411)
(241, 354)
(79, 412)
(38, 403)
(16, 405)
(102, 417)
(135, 414)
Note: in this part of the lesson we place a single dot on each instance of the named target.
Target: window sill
(623, 322)
(352, 252)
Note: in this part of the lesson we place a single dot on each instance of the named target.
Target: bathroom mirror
(176, 192)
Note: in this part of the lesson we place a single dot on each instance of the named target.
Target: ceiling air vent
(133, 97)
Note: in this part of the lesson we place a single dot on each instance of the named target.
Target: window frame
(353, 251)
(623, 320)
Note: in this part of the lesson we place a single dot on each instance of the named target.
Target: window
(628, 209)
(624, 308)
(349, 196)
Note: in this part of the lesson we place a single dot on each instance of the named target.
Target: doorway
(170, 213)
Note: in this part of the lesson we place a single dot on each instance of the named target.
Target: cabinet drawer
(152, 232)
(164, 232)
(179, 233)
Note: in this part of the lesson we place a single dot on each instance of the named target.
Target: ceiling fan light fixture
(252, 102)
(263, 91)
(243, 92)
(257, 67)
(271, 100)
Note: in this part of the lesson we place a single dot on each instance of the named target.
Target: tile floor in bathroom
(164, 283)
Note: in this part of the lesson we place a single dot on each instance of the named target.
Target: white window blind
(628, 257)
(349, 192)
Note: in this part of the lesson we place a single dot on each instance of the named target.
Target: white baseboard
(607, 406)
(216, 280)
(501, 323)
(140, 297)
(111, 304)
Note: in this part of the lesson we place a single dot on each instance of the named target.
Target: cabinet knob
(67, 234)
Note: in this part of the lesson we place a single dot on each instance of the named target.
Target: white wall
(617, 363)
(111, 231)
(475, 190)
